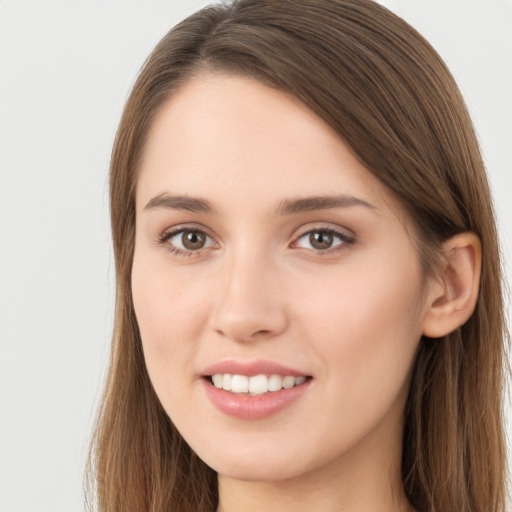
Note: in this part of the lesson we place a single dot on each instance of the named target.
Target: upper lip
(251, 368)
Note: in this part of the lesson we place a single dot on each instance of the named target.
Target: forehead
(230, 136)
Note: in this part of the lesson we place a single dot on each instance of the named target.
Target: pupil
(320, 240)
(193, 240)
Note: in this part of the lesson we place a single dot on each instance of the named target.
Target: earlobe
(452, 297)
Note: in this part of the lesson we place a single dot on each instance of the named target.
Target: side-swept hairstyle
(391, 99)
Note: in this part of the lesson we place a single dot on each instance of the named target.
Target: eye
(323, 240)
(186, 241)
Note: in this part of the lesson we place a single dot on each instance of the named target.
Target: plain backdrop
(66, 67)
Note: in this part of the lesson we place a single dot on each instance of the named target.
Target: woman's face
(264, 249)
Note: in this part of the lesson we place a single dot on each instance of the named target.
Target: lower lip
(253, 407)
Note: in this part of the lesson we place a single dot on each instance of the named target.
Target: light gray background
(65, 70)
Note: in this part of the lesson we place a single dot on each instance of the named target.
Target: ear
(452, 297)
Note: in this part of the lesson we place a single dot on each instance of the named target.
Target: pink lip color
(251, 368)
(252, 407)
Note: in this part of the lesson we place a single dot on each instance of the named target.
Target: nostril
(261, 333)
(239, 334)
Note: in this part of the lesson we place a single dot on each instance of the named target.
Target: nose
(251, 303)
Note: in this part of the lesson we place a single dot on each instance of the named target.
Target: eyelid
(346, 239)
(169, 233)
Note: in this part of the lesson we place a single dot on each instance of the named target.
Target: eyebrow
(286, 207)
(291, 206)
(188, 203)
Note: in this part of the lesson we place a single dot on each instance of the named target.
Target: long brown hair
(390, 97)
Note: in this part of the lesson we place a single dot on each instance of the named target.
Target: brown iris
(193, 240)
(320, 239)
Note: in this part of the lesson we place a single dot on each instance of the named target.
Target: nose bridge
(250, 304)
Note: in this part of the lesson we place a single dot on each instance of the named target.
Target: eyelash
(166, 236)
(345, 240)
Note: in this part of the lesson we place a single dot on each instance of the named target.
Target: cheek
(365, 334)
(366, 328)
(169, 316)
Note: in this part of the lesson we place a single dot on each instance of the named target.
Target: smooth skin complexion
(261, 239)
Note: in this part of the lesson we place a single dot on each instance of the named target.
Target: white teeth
(217, 380)
(239, 384)
(288, 382)
(275, 383)
(256, 385)
(226, 381)
(300, 380)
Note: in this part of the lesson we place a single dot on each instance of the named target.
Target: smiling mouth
(255, 385)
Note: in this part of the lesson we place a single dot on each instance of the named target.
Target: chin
(255, 461)
(257, 470)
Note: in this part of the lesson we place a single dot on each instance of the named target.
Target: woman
(309, 311)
